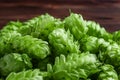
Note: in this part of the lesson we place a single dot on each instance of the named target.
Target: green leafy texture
(111, 55)
(93, 44)
(75, 66)
(12, 26)
(94, 29)
(116, 36)
(14, 62)
(25, 75)
(40, 26)
(76, 25)
(35, 48)
(62, 42)
(17, 37)
(108, 73)
(14, 42)
(5, 38)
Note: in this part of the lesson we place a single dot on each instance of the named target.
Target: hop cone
(111, 55)
(12, 26)
(34, 47)
(76, 25)
(107, 73)
(93, 44)
(62, 42)
(116, 36)
(25, 75)
(75, 66)
(5, 38)
(40, 26)
(14, 62)
(94, 29)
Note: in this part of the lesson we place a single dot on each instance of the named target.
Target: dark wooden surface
(106, 12)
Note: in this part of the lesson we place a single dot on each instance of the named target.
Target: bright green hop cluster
(47, 48)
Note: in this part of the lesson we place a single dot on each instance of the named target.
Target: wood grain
(107, 14)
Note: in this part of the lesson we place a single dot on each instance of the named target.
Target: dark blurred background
(106, 12)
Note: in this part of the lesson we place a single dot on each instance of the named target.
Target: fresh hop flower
(116, 36)
(107, 73)
(93, 44)
(25, 75)
(12, 26)
(14, 62)
(5, 39)
(75, 66)
(35, 48)
(94, 29)
(41, 26)
(111, 55)
(76, 25)
(62, 42)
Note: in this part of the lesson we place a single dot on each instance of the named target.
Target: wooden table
(107, 13)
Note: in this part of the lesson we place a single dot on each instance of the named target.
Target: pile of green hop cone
(47, 48)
